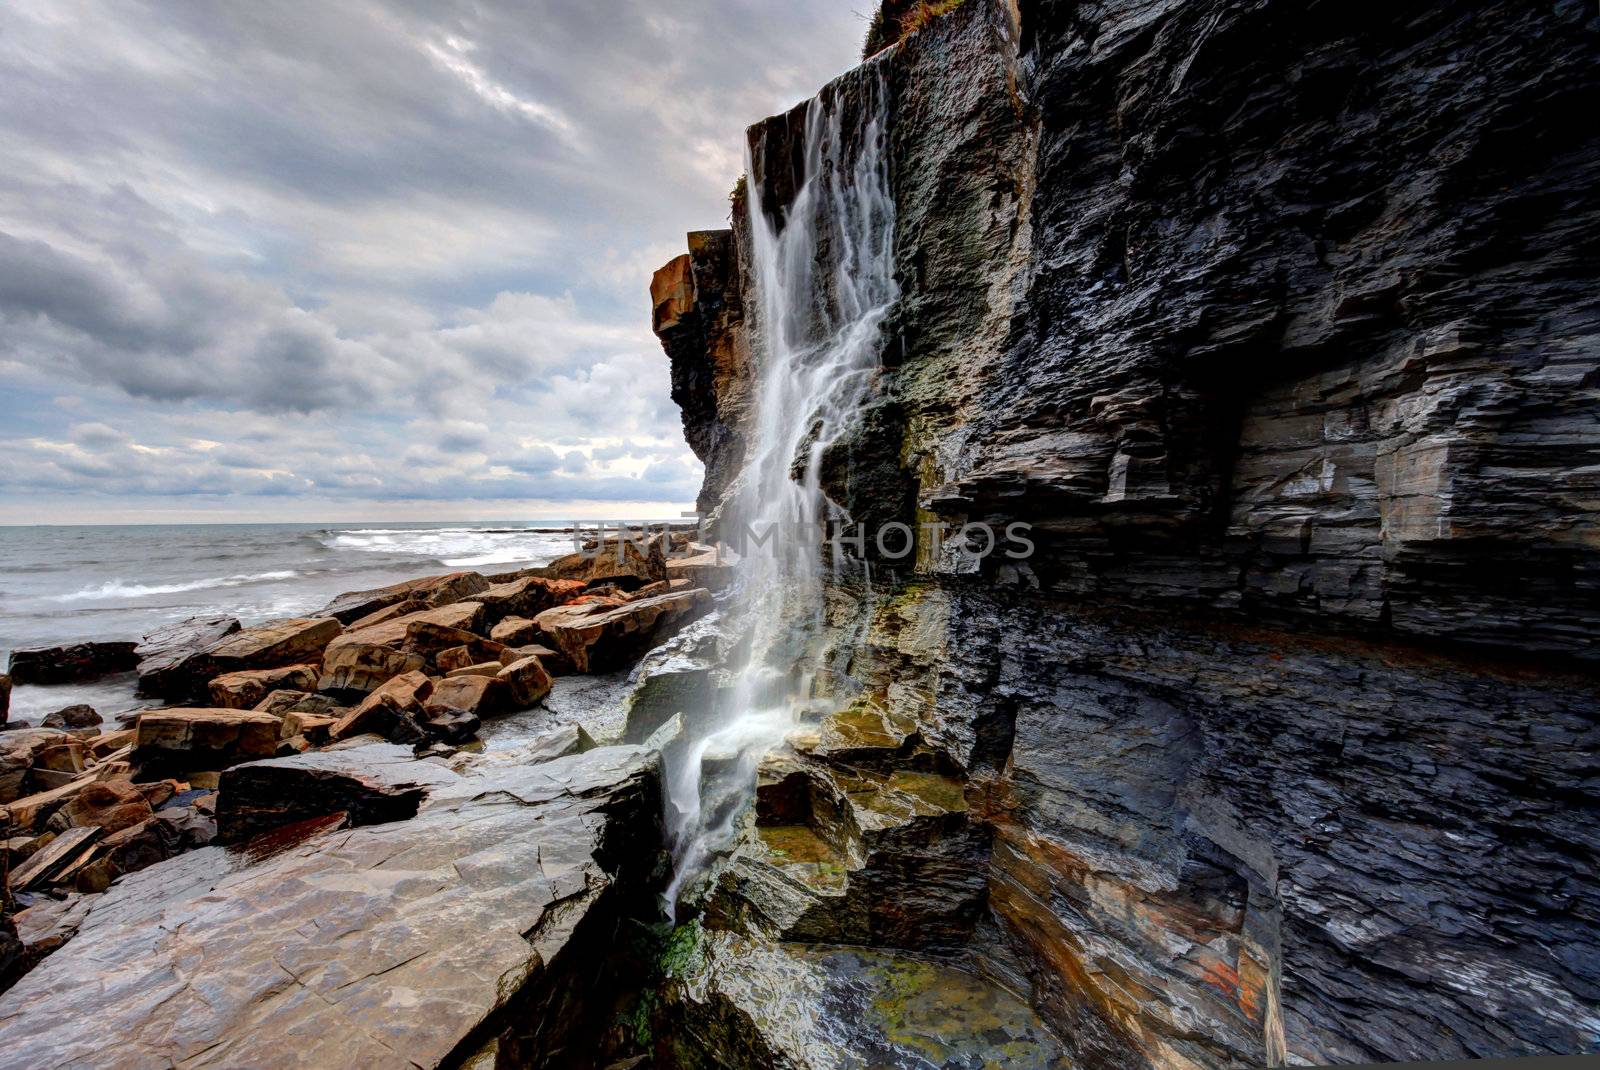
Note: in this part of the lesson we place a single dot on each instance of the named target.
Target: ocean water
(62, 585)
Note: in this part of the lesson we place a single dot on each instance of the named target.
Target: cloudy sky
(373, 259)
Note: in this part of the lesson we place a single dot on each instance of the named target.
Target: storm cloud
(311, 260)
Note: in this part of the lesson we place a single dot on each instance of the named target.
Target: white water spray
(824, 281)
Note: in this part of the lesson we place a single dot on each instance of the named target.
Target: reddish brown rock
(431, 590)
(623, 561)
(364, 666)
(399, 609)
(380, 711)
(112, 805)
(430, 639)
(515, 631)
(206, 738)
(554, 661)
(281, 703)
(487, 668)
(527, 596)
(705, 568)
(283, 642)
(478, 696)
(246, 690)
(66, 756)
(466, 616)
(475, 652)
(313, 727)
(526, 682)
(596, 638)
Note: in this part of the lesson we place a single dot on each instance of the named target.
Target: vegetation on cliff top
(896, 19)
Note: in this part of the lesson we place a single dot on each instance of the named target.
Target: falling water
(824, 281)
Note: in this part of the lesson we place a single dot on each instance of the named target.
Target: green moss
(635, 1021)
(738, 196)
(681, 950)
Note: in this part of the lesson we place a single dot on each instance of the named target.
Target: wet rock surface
(599, 637)
(70, 664)
(1278, 735)
(741, 1004)
(170, 658)
(391, 944)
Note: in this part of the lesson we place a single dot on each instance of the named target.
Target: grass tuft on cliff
(896, 19)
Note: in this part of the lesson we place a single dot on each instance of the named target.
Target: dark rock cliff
(1280, 323)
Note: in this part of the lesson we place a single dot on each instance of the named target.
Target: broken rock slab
(360, 666)
(283, 642)
(206, 738)
(372, 784)
(599, 637)
(246, 690)
(379, 946)
(171, 658)
(430, 590)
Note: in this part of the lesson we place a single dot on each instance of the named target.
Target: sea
(62, 585)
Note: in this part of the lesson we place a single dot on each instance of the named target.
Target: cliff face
(1278, 322)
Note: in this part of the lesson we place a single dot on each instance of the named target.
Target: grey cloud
(323, 238)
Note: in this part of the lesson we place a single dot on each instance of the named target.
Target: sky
(366, 260)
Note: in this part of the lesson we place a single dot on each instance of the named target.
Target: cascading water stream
(824, 281)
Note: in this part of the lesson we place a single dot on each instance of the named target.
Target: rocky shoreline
(313, 724)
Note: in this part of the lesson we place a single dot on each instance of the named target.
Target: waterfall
(824, 281)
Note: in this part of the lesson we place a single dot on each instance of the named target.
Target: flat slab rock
(381, 946)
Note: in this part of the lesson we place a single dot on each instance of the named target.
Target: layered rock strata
(1276, 323)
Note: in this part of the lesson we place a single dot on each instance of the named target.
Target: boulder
(620, 561)
(205, 738)
(171, 659)
(465, 616)
(112, 805)
(526, 682)
(596, 638)
(5, 698)
(352, 946)
(313, 727)
(66, 755)
(515, 631)
(474, 652)
(71, 664)
(17, 749)
(703, 568)
(527, 596)
(394, 701)
(283, 642)
(283, 703)
(364, 666)
(554, 661)
(30, 812)
(106, 744)
(79, 716)
(430, 640)
(246, 690)
(131, 849)
(430, 590)
(399, 609)
(475, 696)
